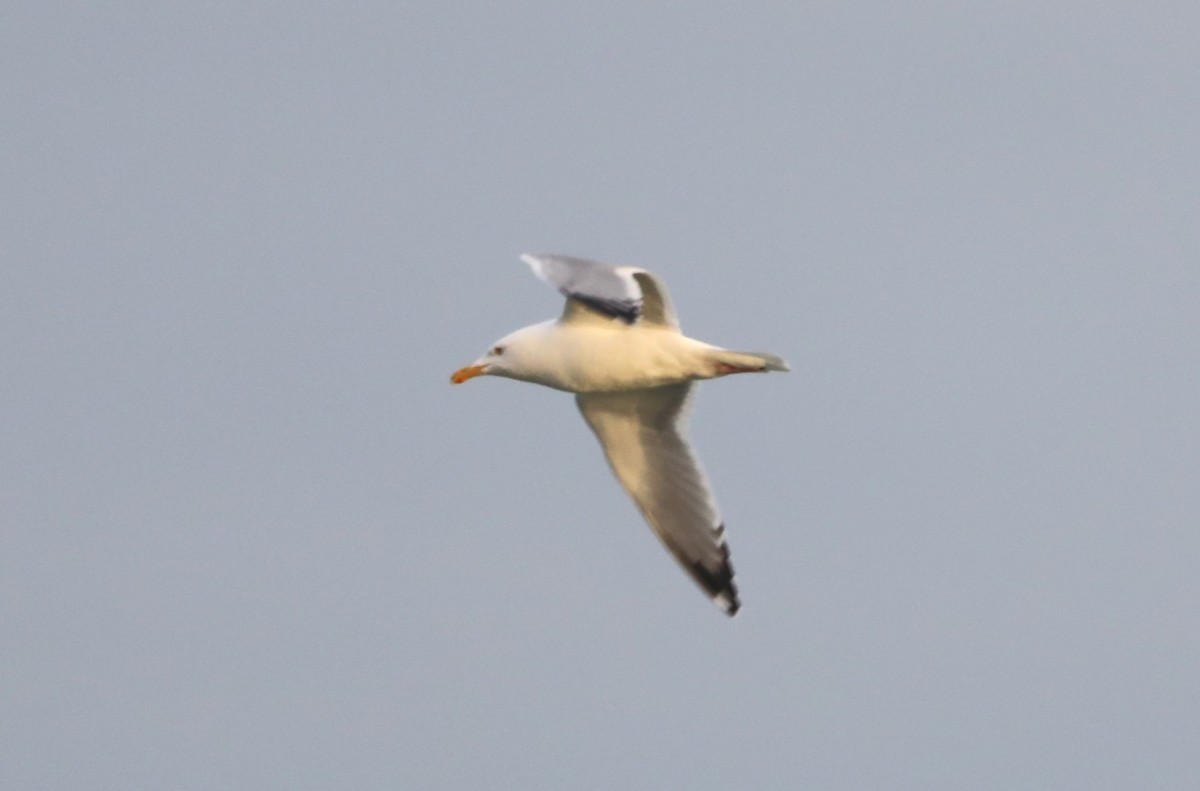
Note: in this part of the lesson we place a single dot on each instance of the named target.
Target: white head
(510, 357)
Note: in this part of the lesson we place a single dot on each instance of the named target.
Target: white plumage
(618, 347)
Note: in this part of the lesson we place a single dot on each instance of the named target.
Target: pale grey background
(252, 539)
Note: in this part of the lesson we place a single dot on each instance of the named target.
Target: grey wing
(612, 292)
(641, 432)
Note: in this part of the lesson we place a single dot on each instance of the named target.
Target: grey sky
(252, 538)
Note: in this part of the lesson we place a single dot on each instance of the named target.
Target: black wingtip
(627, 310)
(718, 583)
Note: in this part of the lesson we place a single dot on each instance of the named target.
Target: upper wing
(641, 432)
(613, 292)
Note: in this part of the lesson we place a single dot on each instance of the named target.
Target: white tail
(751, 360)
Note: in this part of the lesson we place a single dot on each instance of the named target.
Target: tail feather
(763, 360)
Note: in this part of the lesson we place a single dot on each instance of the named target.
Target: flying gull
(618, 347)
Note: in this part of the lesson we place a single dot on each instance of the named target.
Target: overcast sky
(252, 538)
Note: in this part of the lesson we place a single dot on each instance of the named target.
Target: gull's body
(605, 355)
(618, 347)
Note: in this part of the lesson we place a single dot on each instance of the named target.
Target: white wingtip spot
(727, 605)
(536, 264)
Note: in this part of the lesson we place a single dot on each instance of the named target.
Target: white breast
(589, 358)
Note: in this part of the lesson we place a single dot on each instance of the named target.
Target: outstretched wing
(641, 432)
(596, 290)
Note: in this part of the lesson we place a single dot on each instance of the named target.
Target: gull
(618, 347)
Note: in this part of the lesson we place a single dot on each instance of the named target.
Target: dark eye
(497, 350)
